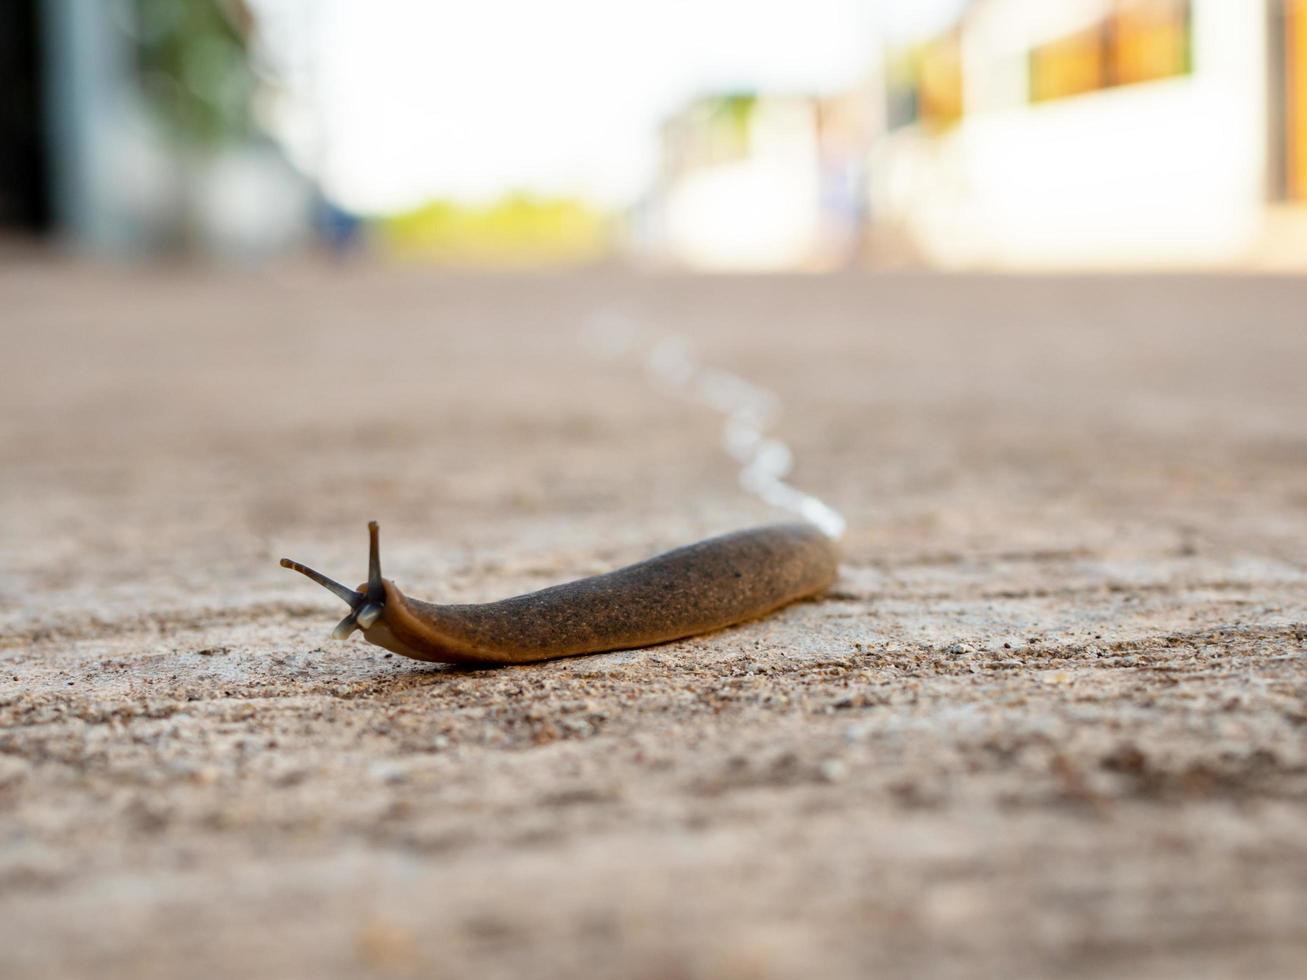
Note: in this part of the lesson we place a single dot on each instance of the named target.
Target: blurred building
(762, 182)
(126, 126)
(1092, 132)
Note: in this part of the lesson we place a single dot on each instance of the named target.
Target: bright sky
(394, 102)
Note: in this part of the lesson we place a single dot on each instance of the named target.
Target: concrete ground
(1051, 722)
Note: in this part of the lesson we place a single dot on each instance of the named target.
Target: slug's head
(366, 604)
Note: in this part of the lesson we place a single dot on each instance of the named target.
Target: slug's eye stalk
(364, 607)
(375, 590)
(331, 585)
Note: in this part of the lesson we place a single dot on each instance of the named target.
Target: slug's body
(691, 590)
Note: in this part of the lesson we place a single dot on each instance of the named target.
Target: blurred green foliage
(192, 56)
(516, 228)
(736, 108)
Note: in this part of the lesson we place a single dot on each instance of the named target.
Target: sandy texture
(1051, 722)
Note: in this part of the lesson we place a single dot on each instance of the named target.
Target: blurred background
(721, 134)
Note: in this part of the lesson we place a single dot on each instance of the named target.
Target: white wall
(1161, 173)
(760, 212)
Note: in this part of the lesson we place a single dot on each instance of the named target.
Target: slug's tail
(365, 607)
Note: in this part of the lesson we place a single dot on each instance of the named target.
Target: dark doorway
(24, 172)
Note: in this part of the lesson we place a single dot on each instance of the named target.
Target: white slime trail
(748, 410)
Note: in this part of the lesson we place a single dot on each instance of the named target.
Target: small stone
(388, 772)
(856, 733)
(13, 770)
(387, 946)
(833, 770)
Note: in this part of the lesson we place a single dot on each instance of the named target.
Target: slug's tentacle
(364, 607)
(376, 592)
(369, 614)
(345, 627)
(331, 585)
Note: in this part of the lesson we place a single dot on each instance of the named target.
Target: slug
(691, 590)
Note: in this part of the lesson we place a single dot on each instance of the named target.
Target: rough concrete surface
(1052, 721)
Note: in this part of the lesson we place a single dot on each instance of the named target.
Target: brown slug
(695, 589)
